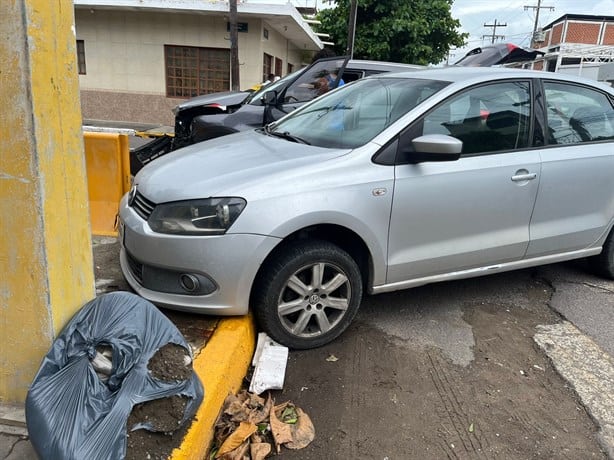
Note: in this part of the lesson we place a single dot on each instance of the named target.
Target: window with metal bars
(267, 66)
(81, 57)
(192, 71)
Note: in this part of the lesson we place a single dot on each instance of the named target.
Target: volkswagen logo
(314, 299)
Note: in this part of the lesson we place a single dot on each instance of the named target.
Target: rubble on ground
(252, 427)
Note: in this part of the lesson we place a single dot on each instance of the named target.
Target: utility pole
(494, 35)
(349, 50)
(537, 8)
(234, 47)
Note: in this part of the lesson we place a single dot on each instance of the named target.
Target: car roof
(381, 65)
(455, 74)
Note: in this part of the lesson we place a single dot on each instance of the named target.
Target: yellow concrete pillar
(46, 271)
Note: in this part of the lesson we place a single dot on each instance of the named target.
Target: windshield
(254, 98)
(355, 114)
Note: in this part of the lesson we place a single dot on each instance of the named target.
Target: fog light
(189, 282)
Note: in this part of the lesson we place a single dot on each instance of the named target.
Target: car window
(487, 118)
(352, 75)
(358, 112)
(314, 82)
(577, 114)
(256, 97)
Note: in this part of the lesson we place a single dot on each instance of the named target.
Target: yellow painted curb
(221, 366)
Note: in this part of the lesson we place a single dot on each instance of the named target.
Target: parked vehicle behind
(497, 54)
(391, 182)
(214, 115)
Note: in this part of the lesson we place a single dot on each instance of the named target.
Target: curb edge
(221, 367)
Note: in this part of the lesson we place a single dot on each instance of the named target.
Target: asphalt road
(451, 370)
(586, 301)
(431, 316)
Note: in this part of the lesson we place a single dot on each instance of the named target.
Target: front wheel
(603, 264)
(308, 294)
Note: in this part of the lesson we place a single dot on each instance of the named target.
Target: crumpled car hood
(225, 99)
(497, 54)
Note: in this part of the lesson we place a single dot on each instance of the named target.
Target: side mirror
(435, 147)
(269, 98)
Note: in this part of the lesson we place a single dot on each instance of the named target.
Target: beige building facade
(139, 58)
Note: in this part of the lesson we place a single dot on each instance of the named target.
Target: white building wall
(124, 51)
(586, 70)
(278, 46)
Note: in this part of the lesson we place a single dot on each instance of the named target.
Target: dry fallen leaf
(240, 453)
(255, 400)
(247, 407)
(259, 420)
(282, 432)
(223, 429)
(261, 413)
(244, 431)
(259, 451)
(303, 431)
(256, 438)
(237, 411)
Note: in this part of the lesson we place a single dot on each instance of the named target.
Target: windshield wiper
(286, 135)
(327, 109)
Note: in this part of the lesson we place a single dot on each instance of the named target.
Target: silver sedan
(387, 183)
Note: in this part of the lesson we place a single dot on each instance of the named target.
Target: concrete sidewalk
(222, 349)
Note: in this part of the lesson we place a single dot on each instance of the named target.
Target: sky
(473, 14)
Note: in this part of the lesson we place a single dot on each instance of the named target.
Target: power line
(494, 35)
(537, 8)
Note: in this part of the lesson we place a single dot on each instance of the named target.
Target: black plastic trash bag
(70, 412)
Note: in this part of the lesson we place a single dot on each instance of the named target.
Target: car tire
(319, 287)
(603, 264)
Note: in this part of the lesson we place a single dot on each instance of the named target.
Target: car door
(316, 80)
(575, 203)
(475, 211)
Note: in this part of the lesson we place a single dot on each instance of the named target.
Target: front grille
(136, 268)
(142, 206)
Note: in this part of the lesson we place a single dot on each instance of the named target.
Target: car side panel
(575, 203)
(350, 192)
(450, 216)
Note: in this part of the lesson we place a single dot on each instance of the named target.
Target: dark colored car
(497, 54)
(214, 115)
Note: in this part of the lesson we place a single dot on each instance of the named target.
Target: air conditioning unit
(539, 36)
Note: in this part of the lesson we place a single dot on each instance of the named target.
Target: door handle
(523, 177)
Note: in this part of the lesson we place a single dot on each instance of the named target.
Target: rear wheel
(603, 264)
(308, 295)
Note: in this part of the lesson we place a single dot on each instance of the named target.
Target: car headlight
(210, 216)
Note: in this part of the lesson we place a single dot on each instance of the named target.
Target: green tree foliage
(410, 31)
